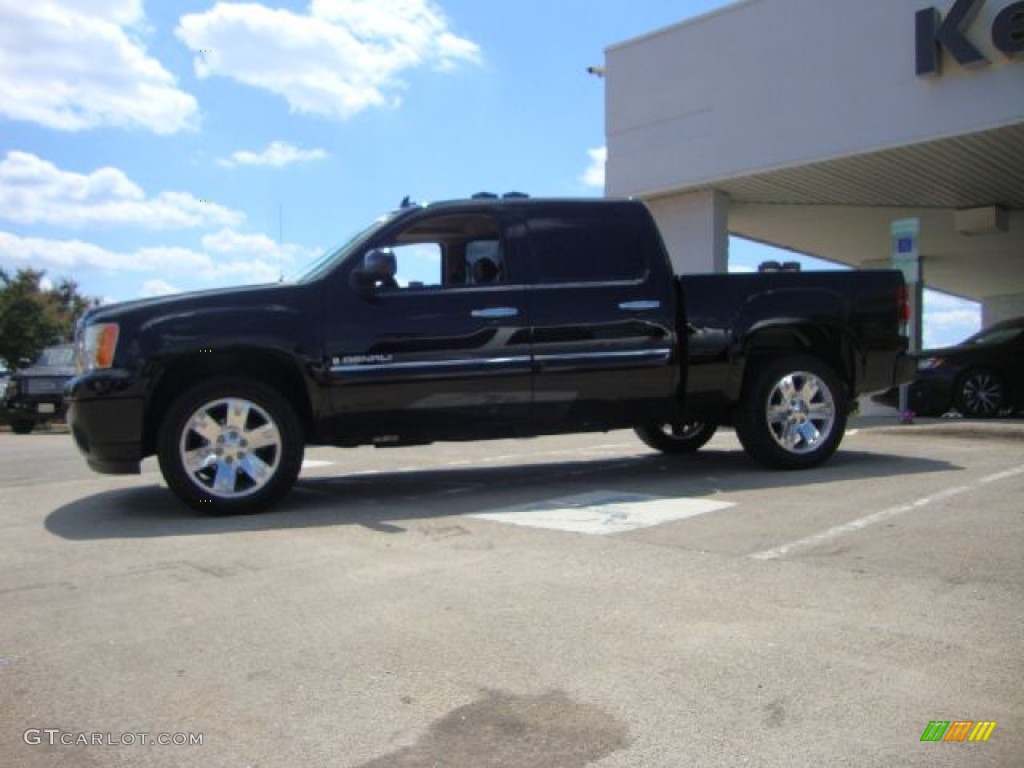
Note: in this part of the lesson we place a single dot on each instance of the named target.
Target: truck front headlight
(96, 346)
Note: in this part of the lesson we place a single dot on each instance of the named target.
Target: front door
(437, 349)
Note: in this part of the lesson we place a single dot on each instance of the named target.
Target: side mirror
(377, 271)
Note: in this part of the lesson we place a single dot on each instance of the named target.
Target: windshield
(332, 257)
(997, 334)
(57, 357)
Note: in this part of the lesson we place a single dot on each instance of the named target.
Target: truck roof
(516, 200)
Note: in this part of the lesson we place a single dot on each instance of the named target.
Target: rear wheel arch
(832, 346)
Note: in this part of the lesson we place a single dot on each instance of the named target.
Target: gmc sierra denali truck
(478, 319)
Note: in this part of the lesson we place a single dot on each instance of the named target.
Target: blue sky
(149, 147)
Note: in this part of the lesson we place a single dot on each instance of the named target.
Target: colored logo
(958, 730)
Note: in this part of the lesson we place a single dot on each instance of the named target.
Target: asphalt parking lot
(554, 603)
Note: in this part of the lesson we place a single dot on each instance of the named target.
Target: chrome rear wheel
(801, 412)
(793, 412)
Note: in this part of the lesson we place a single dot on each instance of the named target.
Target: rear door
(603, 316)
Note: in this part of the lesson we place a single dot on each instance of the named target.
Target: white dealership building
(859, 131)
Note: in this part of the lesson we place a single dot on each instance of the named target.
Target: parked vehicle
(981, 377)
(4, 376)
(478, 319)
(35, 395)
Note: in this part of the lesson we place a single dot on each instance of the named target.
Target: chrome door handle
(496, 312)
(639, 306)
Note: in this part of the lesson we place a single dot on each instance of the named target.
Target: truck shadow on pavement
(381, 501)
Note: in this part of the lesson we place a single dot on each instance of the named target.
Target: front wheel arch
(270, 369)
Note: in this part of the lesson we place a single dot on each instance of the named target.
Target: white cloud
(35, 191)
(78, 64)
(336, 60)
(277, 155)
(594, 175)
(943, 301)
(120, 12)
(218, 264)
(228, 242)
(158, 287)
(948, 319)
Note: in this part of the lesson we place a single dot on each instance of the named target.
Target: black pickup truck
(478, 319)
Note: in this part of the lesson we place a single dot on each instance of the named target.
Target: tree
(33, 316)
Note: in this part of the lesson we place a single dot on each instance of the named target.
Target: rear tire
(676, 437)
(793, 413)
(230, 446)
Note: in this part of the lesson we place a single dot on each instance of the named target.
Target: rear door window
(597, 246)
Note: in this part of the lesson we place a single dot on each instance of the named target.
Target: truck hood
(250, 295)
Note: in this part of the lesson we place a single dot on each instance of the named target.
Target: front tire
(677, 437)
(230, 446)
(981, 394)
(793, 413)
(20, 426)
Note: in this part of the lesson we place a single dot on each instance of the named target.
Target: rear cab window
(578, 244)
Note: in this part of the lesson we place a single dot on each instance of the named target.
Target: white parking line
(878, 517)
(314, 463)
(601, 513)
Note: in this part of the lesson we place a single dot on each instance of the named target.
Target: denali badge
(366, 359)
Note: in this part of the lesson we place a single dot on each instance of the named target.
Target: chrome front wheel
(230, 446)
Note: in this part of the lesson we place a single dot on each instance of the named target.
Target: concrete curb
(990, 429)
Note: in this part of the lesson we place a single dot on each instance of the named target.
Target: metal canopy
(841, 209)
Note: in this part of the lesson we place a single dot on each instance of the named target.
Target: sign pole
(905, 255)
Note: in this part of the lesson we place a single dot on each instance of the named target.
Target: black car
(35, 395)
(982, 376)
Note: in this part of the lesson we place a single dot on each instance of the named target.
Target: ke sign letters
(934, 33)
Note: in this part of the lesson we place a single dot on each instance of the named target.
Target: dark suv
(35, 395)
